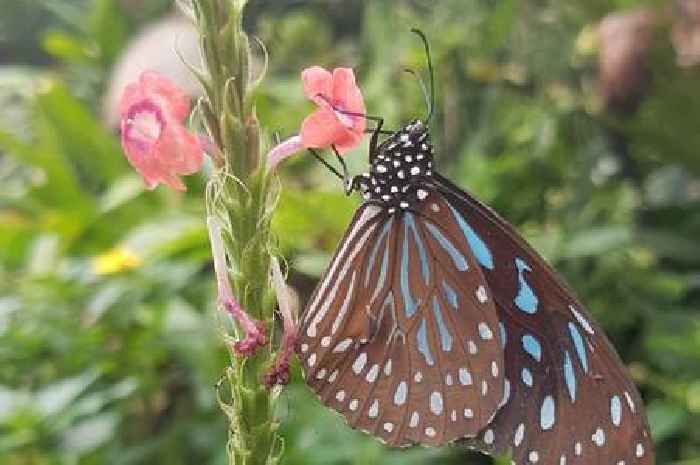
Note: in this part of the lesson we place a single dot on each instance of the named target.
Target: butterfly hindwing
(401, 336)
(570, 400)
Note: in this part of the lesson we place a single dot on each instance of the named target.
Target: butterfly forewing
(401, 335)
(569, 400)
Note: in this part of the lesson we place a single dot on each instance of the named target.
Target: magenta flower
(254, 330)
(154, 138)
(337, 121)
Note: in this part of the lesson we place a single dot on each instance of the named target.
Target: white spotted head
(399, 167)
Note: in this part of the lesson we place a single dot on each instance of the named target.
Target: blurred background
(578, 121)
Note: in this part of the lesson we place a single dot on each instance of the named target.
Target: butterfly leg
(326, 164)
(347, 180)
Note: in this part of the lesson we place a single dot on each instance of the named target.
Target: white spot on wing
(401, 393)
(547, 413)
(481, 294)
(599, 437)
(359, 363)
(436, 403)
(387, 368)
(373, 409)
(465, 378)
(373, 373)
(581, 320)
(484, 331)
(519, 435)
(639, 451)
(630, 402)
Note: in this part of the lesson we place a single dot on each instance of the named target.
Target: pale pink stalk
(254, 330)
(283, 150)
(279, 373)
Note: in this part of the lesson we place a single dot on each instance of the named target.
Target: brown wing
(401, 334)
(569, 400)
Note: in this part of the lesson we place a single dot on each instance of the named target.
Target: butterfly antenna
(423, 89)
(430, 70)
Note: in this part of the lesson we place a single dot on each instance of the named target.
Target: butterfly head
(399, 167)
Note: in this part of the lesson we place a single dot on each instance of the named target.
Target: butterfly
(436, 322)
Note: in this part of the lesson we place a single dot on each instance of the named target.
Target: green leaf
(108, 26)
(64, 47)
(94, 151)
(665, 419)
(597, 241)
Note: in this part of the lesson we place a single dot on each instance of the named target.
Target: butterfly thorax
(398, 168)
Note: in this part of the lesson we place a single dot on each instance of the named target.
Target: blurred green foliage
(107, 335)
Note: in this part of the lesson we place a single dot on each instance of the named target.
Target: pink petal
(321, 129)
(170, 96)
(348, 141)
(138, 138)
(348, 98)
(155, 140)
(317, 81)
(132, 94)
(343, 83)
(178, 151)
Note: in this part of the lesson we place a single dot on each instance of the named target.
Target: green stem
(239, 199)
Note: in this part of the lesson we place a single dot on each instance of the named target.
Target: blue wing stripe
(526, 300)
(450, 295)
(578, 344)
(410, 307)
(570, 376)
(532, 346)
(375, 249)
(422, 339)
(410, 222)
(457, 258)
(445, 337)
(478, 246)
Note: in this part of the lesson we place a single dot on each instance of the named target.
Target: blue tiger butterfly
(437, 322)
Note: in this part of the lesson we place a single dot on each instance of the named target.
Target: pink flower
(254, 331)
(338, 120)
(154, 138)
